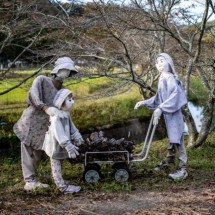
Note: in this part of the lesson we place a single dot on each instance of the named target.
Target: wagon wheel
(121, 172)
(92, 173)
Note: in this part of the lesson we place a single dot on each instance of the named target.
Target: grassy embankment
(90, 109)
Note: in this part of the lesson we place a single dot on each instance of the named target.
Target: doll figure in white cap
(169, 100)
(62, 139)
(33, 124)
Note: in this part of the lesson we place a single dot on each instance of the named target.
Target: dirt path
(176, 201)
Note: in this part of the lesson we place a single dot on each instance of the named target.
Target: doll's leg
(182, 156)
(59, 181)
(171, 151)
(57, 175)
(30, 158)
(170, 158)
(181, 172)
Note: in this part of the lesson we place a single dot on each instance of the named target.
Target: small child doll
(59, 139)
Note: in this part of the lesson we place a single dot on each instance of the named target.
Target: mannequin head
(68, 103)
(64, 68)
(62, 74)
(64, 100)
(162, 65)
(170, 62)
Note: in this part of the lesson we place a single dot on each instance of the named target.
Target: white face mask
(162, 65)
(68, 104)
(63, 73)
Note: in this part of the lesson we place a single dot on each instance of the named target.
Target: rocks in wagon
(97, 142)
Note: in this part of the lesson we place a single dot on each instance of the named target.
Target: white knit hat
(64, 63)
(60, 97)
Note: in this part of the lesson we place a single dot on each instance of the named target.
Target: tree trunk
(193, 133)
(206, 123)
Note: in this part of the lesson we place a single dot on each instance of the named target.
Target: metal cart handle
(147, 142)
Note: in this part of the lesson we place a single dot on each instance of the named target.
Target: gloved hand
(77, 138)
(53, 111)
(72, 150)
(157, 113)
(139, 104)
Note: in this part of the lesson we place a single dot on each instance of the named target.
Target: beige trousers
(175, 148)
(29, 159)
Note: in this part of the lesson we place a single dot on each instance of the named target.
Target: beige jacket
(58, 135)
(33, 124)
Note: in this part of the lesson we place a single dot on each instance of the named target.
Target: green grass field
(97, 102)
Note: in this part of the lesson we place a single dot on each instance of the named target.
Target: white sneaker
(72, 189)
(179, 174)
(32, 185)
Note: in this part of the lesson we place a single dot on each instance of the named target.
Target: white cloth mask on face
(162, 65)
(63, 73)
(68, 104)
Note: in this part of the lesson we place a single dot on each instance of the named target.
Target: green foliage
(197, 92)
(16, 96)
(203, 157)
(86, 113)
(95, 85)
(106, 111)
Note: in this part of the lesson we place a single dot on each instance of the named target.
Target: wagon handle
(147, 142)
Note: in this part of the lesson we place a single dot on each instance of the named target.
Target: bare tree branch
(27, 78)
